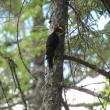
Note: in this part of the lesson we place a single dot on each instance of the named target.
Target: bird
(52, 44)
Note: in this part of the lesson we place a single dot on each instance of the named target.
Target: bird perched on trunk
(52, 44)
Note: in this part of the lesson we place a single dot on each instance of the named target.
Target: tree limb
(94, 67)
(85, 104)
(81, 89)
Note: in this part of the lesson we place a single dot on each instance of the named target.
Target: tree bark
(53, 93)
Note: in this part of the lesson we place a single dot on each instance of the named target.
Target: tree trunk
(53, 92)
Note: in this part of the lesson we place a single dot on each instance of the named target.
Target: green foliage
(32, 43)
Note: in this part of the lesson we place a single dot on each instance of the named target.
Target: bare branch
(93, 83)
(85, 104)
(81, 89)
(13, 66)
(19, 50)
(94, 67)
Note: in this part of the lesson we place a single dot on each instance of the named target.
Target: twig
(13, 66)
(92, 84)
(85, 104)
(20, 54)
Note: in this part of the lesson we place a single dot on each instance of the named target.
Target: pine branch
(94, 67)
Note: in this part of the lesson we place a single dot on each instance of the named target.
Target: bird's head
(59, 30)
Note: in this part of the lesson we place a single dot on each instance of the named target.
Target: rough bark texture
(53, 93)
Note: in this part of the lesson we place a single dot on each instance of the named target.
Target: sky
(102, 21)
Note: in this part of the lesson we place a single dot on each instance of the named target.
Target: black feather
(51, 45)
